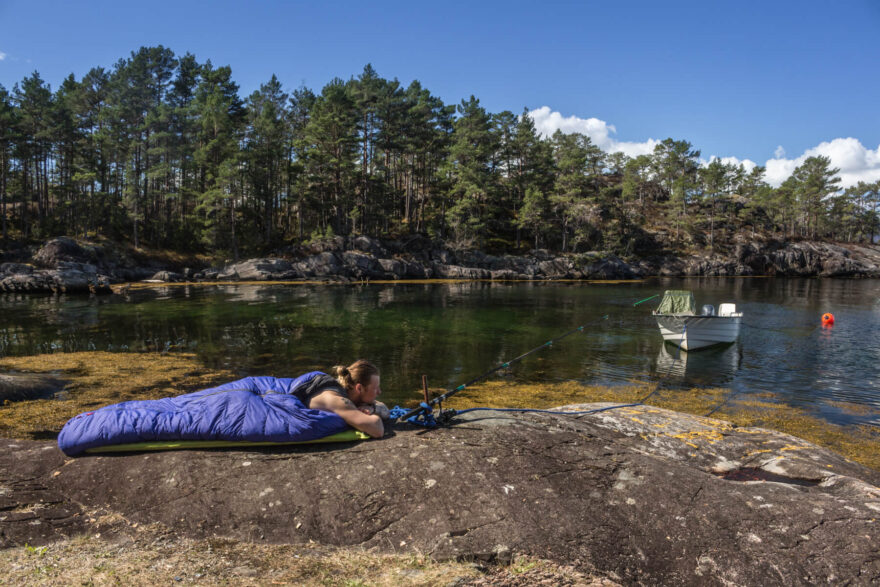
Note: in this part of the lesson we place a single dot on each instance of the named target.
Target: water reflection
(715, 366)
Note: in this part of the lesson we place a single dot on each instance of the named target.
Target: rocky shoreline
(65, 265)
(638, 495)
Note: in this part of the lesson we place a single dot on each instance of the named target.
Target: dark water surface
(454, 331)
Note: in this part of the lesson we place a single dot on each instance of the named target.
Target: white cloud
(547, 122)
(2, 55)
(747, 164)
(855, 161)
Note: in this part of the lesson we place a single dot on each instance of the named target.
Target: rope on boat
(646, 299)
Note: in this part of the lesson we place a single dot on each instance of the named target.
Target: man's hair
(361, 371)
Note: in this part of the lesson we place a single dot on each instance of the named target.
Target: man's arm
(345, 409)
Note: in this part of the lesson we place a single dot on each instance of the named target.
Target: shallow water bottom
(96, 379)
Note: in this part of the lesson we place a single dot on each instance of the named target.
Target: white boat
(682, 326)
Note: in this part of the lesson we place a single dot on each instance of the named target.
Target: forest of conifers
(162, 151)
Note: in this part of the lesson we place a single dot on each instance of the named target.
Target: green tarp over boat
(677, 301)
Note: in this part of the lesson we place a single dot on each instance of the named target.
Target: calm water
(454, 331)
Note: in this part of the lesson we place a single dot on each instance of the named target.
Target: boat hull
(697, 332)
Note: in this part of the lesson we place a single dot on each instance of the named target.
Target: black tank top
(318, 384)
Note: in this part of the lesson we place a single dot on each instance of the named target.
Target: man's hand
(378, 409)
(382, 411)
(357, 417)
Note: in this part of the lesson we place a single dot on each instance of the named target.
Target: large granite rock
(639, 494)
(65, 265)
(807, 259)
(28, 386)
(404, 269)
(368, 245)
(326, 264)
(63, 249)
(459, 272)
(68, 276)
(259, 270)
(361, 265)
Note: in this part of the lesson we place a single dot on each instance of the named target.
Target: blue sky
(753, 81)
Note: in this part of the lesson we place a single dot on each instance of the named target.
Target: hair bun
(360, 371)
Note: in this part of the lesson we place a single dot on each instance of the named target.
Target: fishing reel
(425, 415)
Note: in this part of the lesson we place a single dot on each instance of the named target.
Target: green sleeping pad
(346, 436)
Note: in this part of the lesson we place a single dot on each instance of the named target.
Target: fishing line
(428, 406)
(425, 409)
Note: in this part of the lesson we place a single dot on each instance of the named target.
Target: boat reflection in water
(716, 366)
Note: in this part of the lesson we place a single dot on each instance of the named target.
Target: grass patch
(150, 555)
(859, 443)
(98, 379)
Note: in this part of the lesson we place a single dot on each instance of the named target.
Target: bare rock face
(401, 269)
(362, 265)
(560, 268)
(167, 277)
(259, 270)
(610, 267)
(324, 264)
(62, 249)
(639, 494)
(26, 386)
(808, 259)
(459, 272)
(368, 245)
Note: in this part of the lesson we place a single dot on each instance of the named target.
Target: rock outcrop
(63, 264)
(638, 494)
(27, 386)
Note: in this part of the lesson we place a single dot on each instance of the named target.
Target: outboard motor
(708, 310)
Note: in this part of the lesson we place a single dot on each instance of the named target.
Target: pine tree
(676, 164)
(814, 180)
(713, 177)
(533, 167)
(298, 185)
(468, 168)
(331, 134)
(7, 127)
(574, 190)
(33, 100)
(221, 116)
(266, 140)
(184, 127)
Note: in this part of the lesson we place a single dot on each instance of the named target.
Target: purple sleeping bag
(253, 409)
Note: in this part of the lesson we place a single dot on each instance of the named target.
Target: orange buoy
(827, 319)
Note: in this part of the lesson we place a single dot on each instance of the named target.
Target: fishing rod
(426, 408)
